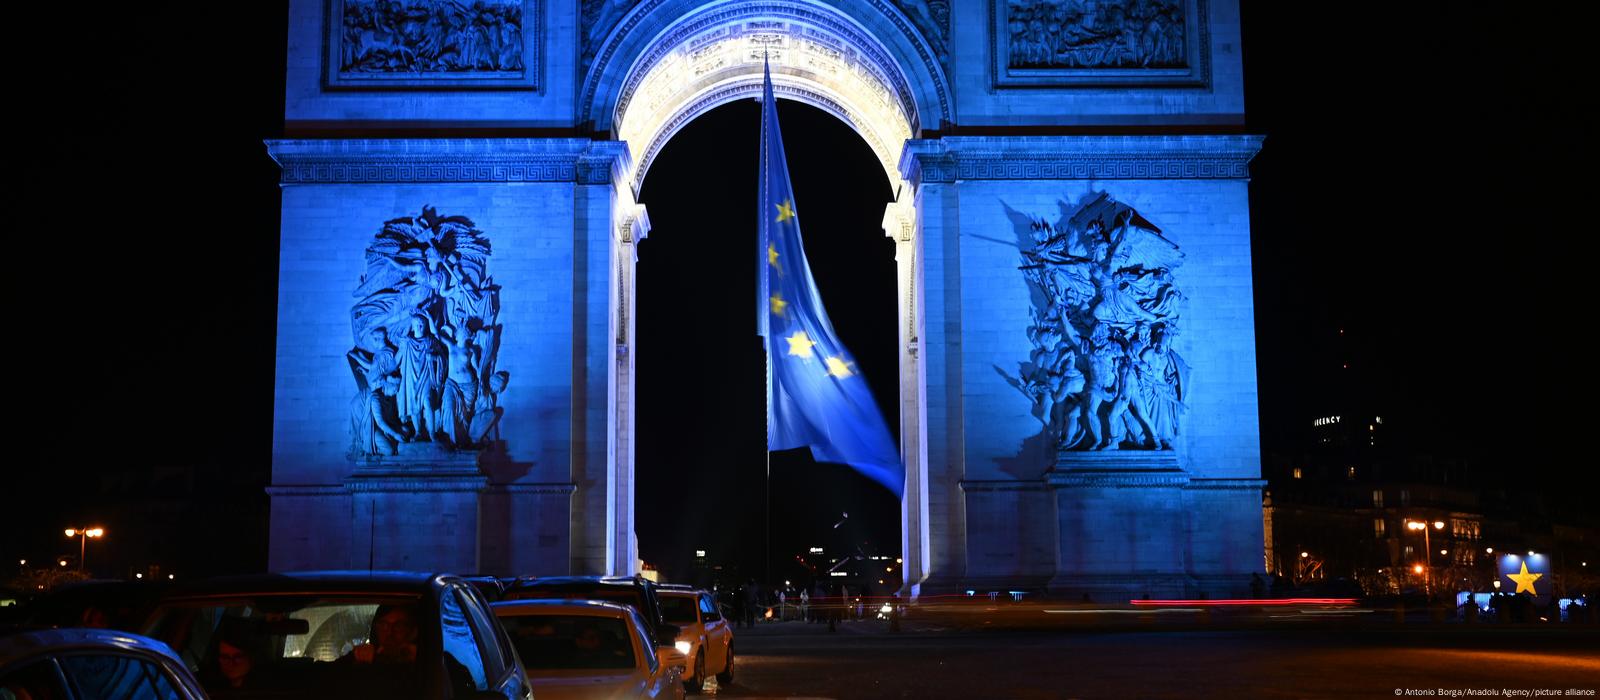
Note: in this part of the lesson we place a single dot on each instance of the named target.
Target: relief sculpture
(1103, 374)
(427, 337)
(1096, 34)
(430, 43)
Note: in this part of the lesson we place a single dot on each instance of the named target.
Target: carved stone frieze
(1096, 43)
(429, 44)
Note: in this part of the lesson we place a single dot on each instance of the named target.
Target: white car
(703, 634)
(590, 649)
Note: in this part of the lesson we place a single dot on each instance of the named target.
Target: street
(864, 660)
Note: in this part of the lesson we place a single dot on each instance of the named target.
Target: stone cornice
(1227, 484)
(1189, 157)
(1085, 478)
(418, 484)
(557, 488)
(308, 490)
(996, 485)
(340, 161)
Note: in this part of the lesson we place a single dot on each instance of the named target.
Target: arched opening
(669, 62)
(700, 473)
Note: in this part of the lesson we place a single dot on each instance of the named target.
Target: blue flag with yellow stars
(1525, 574)
(816, 397)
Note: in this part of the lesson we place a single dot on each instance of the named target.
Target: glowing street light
(83, 536)
(1427, 549)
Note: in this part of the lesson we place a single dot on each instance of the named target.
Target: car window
(709, 609)
(117, 677)
(462, 649)
(299, 643)
(37, 680)
(555, 641)
(679, 610)
(642, 631)
(496, 656)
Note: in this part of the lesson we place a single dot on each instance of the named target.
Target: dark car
(340, 635)
(636, 591)
(92, 663)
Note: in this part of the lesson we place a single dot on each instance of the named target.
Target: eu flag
(816, 397)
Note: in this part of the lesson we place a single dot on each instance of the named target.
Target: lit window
(1350, 473)
(1405, 497)
(1379, 528)
(1377, 498)
(1408, 550)
(1296, 472)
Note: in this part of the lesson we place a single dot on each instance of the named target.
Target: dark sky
(1413, 190)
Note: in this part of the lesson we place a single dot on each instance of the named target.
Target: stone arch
(668, 61)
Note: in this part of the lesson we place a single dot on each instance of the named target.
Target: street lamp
(1427, 550)
(83, 536)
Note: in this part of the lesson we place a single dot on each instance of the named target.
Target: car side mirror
(672, 658)
(667, 634)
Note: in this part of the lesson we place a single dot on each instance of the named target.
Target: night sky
(1412, 191)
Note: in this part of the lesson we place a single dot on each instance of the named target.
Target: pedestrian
(752, 601)
(738, 607)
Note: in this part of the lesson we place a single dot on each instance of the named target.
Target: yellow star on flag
(799, 344)
(785, 211)
(839, 368)
(772, 255)
(1525, 580)
(777, 304)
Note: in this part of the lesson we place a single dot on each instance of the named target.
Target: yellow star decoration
(785, 211)
(1525, 580)
(777, 304)
(772, 255)
(839, 368)
(799, 344)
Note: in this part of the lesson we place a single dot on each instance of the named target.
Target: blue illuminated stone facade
(989, 503)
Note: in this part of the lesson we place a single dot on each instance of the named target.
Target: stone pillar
(935, 358)
(900, 223)
(633, 227)
(602, 525)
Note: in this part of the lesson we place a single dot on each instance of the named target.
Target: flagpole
(766, 354)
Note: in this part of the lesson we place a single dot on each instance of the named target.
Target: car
(590, 649)
(627, 590)
(704, 635)
(92, 663)
(340, 634)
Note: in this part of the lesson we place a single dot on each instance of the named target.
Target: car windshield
(292, 645)
(679, 610)
(555, 642)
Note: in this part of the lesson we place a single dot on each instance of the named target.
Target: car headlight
(683, 647)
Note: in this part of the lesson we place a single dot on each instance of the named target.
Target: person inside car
(230, 659)
(393, 639)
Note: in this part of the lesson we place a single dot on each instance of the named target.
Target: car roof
(581, 581)
(391, 582)
(17, 646)
(680, 587)
(557, 606)
(679, 592)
